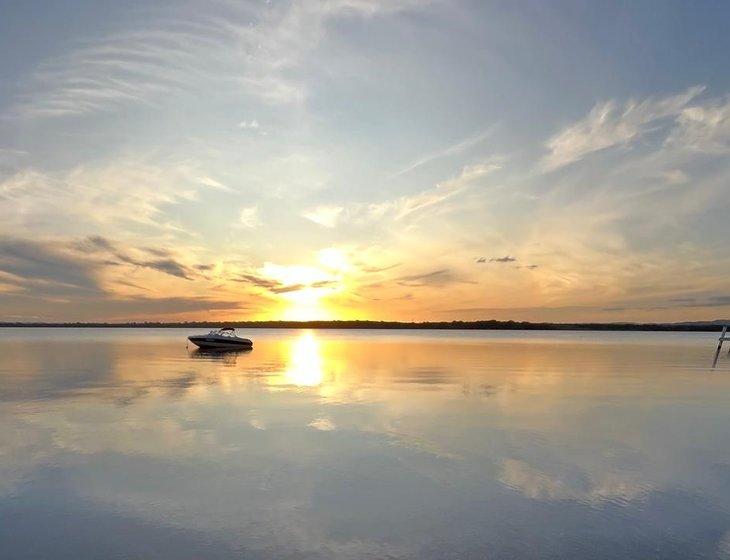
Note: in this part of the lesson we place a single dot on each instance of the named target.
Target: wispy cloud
(277, 287)
(120, 192)
(609, 124)
(212, 183)
(407, 205)
(400, 208)
(161, 260)
(249, 217)
(376, 269)
(703, 129)
(447, 151)
(326, 216)
(45, 268)
(433, 278)
(252, 124)
(245, 48)
(500, 260)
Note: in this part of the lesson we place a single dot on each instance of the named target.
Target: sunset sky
(370, 159)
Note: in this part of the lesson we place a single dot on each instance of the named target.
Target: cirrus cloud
(610, 124)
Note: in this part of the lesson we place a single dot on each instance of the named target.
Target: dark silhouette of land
(706, 326)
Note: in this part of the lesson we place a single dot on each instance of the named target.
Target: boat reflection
(228, 356)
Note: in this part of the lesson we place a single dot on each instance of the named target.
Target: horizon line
(482, 324)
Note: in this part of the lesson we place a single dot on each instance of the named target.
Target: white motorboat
(221, 339)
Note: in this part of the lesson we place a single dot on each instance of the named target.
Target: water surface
(123, 443)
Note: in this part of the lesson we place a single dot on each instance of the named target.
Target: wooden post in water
(722, 339)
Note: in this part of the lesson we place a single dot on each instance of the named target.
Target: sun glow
(334, 259)
(307, 308)
(302, 288)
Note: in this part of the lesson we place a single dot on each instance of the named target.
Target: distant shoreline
(692, 326)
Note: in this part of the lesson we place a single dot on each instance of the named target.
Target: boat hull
(219, 343)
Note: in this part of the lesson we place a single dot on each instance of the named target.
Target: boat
(222, 339)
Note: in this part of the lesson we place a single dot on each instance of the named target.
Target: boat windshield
(224, 332)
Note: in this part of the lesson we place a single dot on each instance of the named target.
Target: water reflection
(305, 367)
(228, 356)
(363, 445)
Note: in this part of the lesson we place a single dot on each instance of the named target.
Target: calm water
(347, 444)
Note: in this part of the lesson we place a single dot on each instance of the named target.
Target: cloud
(249, 217)
(479, 170)
(130, 284)
(405, 206)
(167, 266)
(208, 182)
(235, 48)
(609, 125)
(112, 308)
(439, 277)
(94, 244)
(258, 281)
(375, 269)
(323, 424)
(326, 216)
(126, 192)
(158, 252)
(703, 129)
(323, 284)
(450, 150)
(288, 288)
(164, 261)
(713, 300)
(252, 124)
(277, 287)
(45, 268)
(62, 281)
(504, 260)
(675, 177)
(59, 281)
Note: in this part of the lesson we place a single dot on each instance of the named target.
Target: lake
(125, 443)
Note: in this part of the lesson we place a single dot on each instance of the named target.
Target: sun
(304, 288)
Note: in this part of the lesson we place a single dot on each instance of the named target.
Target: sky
(364, 159)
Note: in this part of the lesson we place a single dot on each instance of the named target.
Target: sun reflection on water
(305, 367)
